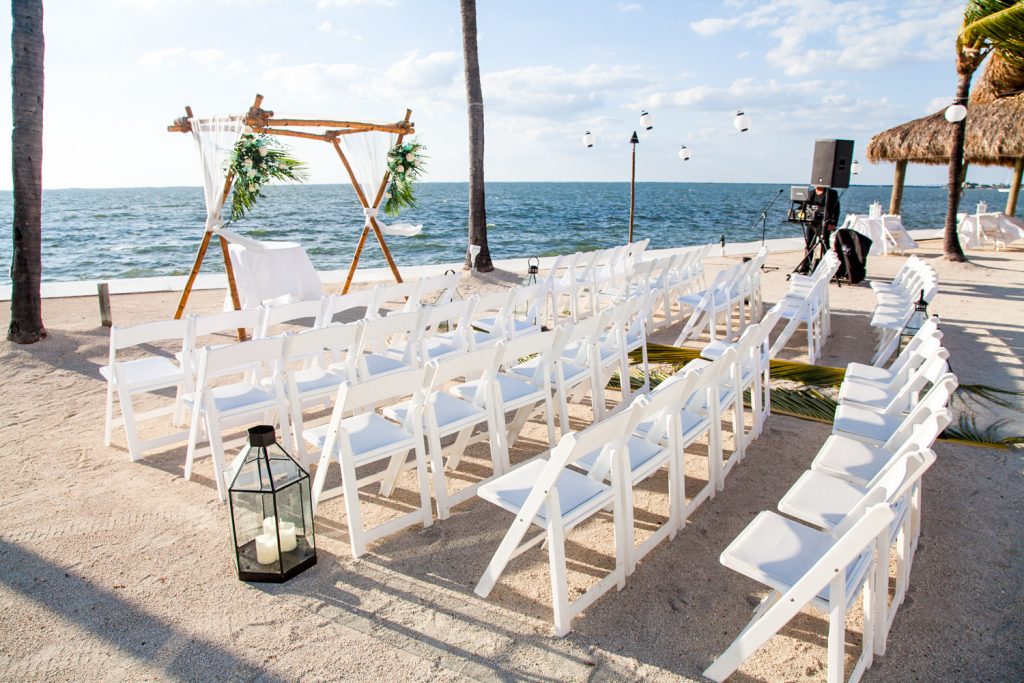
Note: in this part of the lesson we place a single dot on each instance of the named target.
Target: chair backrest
(919, 346)
(353, 306)
(902, 472)
(436, 290)
(354, 398)
(147, 333)
(394, 330)
(667, 400)
(402, 294)
(470, 364)
(585, 333)
(314, 343)
(290, 312)
(921, 432)
(227, 321)
(534, 299)
(935, 365)
(546, 344)
(934, 400)
(494, 304)
(240, 357)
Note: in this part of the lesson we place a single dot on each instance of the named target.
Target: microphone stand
(763, 219)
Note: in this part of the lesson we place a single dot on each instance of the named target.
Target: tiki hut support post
(1011, 201)
(897, 187)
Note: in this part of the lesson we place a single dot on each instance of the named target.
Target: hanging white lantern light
(588, 139)
(741, 122)
(955, 113)
(646, 120)
(684, 153)
(855, 167)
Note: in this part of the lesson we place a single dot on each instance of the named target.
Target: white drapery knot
(369, 212)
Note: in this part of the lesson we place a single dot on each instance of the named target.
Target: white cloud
(325, 26)
(817, 35)
(937, 103)
(629, 7)
(743, 92)
(433, 70)
(548, 91)
(174, 56)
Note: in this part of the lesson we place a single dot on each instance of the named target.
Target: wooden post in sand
(897, 187)
(1011, 201)
(103, 292)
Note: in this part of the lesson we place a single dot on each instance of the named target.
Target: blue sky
(118, 71)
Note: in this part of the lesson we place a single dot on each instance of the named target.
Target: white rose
(387, 195)
(253, 188)
(410, 157)
(263, 150)
(247, 130)
(399, 169)
(247, 163)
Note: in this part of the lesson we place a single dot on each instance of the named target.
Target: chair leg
(217, 450)
(353, 513)
(131, 433)
(193, 436)
(426, 513)
(559, 574)
(437, 467)
(835, 663)
(108, 430)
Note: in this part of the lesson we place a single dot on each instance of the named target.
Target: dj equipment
(832, 162)
(852, 249)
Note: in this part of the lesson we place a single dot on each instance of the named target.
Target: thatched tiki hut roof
(994, 135)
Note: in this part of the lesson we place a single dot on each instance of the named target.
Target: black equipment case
(852, 249)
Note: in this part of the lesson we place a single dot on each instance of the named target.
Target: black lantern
(271, 512)
(917, 319)
(532, 269)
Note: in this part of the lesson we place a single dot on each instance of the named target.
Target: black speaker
(832, 159)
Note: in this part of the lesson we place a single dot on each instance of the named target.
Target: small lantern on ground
(271, 512)
(917, 319)
(532, 269)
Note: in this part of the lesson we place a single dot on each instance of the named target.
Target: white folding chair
(875, 428)
(350, 307)
(546, 494)
(561, 282)
(447, 329)
(803, 567)
(446, 413)
(434, 291)
(823, 501)
(707, 306)
(521, 315)
(145, 375)
(309, 379)
(859, 463)
(519, 393)
(628, 334)
(295, 312)
(217, 407)
(389, 344)
(907, 359)
(488, 308)
(901, 395)
(366, 438)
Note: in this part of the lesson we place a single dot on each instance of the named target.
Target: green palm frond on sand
(811, 404)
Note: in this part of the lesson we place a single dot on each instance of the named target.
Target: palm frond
(996, 25)
(817, 375)
(968, 432)
(982, 392)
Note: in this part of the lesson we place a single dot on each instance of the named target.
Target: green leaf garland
(257, 160)
(405, 164)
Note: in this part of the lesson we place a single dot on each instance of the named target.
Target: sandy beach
(114, 570)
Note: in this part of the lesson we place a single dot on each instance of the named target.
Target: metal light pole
(632, 184)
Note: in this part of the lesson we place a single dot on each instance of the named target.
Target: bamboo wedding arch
(263, 121)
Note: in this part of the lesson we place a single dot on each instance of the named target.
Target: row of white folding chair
(905, 284)
(730, 289)
(673, 276)
(890, 318)
(905, 359)
(807, 304)
(584, 276)
(624, 449)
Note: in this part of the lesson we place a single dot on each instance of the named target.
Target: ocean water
(143, 232)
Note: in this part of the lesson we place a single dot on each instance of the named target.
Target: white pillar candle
(287, 530)
(288, 540)
(266, 548)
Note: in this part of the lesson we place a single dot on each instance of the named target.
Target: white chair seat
(820, 499)
(377, 364)
(642, 456)
(512, 390)
(777, 552)
(570, 371)
(866, 424)
(865, 395)
(232, 397)
(868, 373)
(451, 411)
(369, 434)
(693, 425)
(850, 459)
(578, 494)
(482, 340)
(151, 371)
(317, 379)
(571, 350)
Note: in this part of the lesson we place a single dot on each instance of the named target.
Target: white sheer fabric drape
(367, 153)
(215, 139)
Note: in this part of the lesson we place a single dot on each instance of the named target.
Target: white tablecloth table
(978, 229)
(886, 233)
(278, 270)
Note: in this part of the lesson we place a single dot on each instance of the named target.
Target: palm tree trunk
(27, 165)
(951, 240)
(475, 106)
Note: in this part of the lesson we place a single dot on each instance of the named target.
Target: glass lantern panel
(255, 551)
